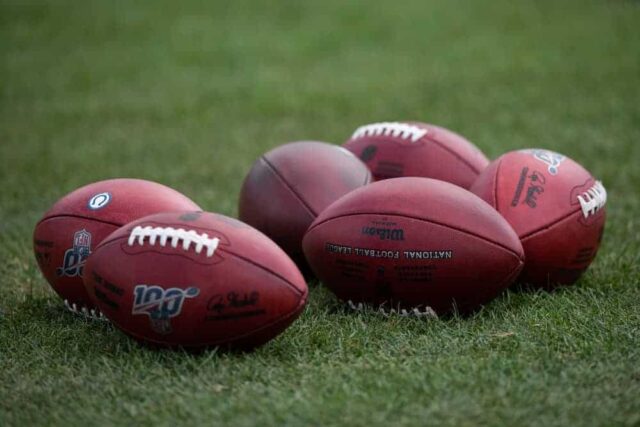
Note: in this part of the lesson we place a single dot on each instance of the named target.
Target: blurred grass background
(190, 93)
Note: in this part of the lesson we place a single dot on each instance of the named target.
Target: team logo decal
(551, 159)
(75, 257)
(99, 201)
(161, 304)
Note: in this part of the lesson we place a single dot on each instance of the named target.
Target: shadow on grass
(42, 325)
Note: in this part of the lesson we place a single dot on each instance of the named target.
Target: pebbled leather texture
(538, 192)
(241, 294)
(414, 242)
(439, 154)
(79, 221)
(290, 185)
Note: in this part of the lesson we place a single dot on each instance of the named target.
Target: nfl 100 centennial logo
(75, 257)
(161, 305)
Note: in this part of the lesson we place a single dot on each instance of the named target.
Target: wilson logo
(384, 233)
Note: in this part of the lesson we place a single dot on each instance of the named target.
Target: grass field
(189, 93)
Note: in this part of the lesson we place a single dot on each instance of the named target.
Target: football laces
(428, 312)
(174, 237)
(393, 129)
(92, 313)
(592, 200)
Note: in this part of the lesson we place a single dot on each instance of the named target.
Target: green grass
(190, 93)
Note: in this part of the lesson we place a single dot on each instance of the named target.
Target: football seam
(450, 151)
(512, 276)
(315, 225)
(367, 177)
(509, 279)
(549, 226)
(277, 321)
(219, 249)
(291, 285)
(302, 300)
(289, 187)
(495, 185)
(79, 217)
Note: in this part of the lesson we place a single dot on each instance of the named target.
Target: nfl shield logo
(82, 242)
(75, 257)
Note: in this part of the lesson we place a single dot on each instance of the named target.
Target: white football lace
(93, 313)
(393, 129)
(428, 312)
(593, 199)
(161, 235)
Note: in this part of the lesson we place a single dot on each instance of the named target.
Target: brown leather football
(68, 232)
(556, 207)
(400, 149)
(290, 185)
(413, 242)
(195, 279)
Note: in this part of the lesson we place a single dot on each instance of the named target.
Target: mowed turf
(189, 93)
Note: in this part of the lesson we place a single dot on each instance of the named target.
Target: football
(556, 207)
(68, 232)
(290, 185)
(414, 243)
(195, 280)
(401, 149)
